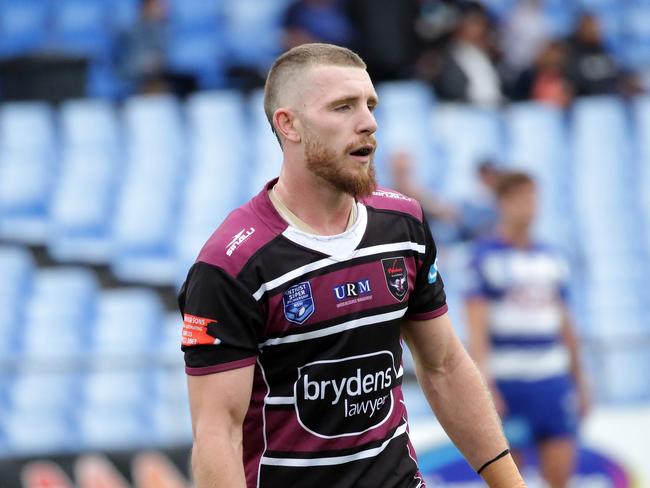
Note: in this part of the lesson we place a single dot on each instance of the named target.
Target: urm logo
(351, 290)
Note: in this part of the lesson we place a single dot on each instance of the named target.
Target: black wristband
(504, 453)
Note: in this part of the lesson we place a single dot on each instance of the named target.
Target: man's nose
(368, 123)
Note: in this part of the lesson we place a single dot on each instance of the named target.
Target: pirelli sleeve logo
(199, 331)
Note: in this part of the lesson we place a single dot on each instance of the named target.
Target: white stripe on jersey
(279, 400)
(335, 329)
(323, 263)
(329, 461)
(529, 364)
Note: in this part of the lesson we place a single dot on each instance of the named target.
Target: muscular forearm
(217, 463)
(462, 404)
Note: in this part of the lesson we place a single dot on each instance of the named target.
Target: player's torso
(327, 397)
(525, 289)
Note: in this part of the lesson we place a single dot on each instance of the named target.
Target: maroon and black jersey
(319, 317)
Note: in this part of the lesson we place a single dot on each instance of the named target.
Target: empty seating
(23, 26)
(81, 27)
(217, 170)
(27, 170)
(267, 155)
(467, 136)
(84, 199)
(538, 145)
(148, 202)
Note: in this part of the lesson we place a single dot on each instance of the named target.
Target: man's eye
(371, 107)
(343, 108)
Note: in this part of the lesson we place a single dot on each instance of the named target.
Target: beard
(346, 176)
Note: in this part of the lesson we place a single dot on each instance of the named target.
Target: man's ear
(286, 124)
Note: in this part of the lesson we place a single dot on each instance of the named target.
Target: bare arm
(218, 403)
(476, 312)
(455, 390)
(572, 344)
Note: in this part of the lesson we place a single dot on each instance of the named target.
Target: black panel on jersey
(211, 293)
(391, 468)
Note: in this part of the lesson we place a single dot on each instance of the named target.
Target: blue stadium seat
(253, 31)
(217, 169)
(642, 119)
(267, 157)
(453, 123)
(124, 13)
(16, 273)
(169, 404)
(635, 29)
(198, 52)
(55, 391)
(80, 220)
(539, 146)
(27, 170)
(81, 27)
(23, 26)
(608, 220)
(412, 134)
(60, 309)
(195, 14)
(108, 428)
(127, 320)
(114, 388)
(32, 432)
(89, 123)
(148, 202)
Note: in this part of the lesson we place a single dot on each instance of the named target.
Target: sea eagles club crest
(396, 276)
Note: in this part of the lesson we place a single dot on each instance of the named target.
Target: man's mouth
(363, 151)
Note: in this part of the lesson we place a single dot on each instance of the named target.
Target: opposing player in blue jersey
(521, 333)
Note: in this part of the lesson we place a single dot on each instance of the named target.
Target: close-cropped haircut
(511, 180)
(298, 58)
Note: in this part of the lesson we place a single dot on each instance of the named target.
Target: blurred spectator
(525, 33)
(546, 81)
(316, 21)
(469, 219)
(385, 36)
(141, 54)
(522, 337)
(404, 181)
(465, 71)
(593, 71)
(479, 211)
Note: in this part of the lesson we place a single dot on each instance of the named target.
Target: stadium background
(106, 196)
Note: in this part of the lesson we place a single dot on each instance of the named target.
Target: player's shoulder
(387, 199)
(241, 235)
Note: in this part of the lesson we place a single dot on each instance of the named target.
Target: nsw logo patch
(396, 276)
(298, 303)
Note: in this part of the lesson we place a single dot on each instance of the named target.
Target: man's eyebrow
(351, 99)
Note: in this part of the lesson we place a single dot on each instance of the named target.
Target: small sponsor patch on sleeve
(196, 331)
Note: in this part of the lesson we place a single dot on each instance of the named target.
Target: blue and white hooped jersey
(526, 291)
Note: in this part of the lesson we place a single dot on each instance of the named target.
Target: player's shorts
(539, 410)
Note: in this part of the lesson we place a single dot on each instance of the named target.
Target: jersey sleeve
(221, 321)
(428, 299)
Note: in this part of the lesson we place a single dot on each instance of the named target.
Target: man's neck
(317, 204)
(518, 236)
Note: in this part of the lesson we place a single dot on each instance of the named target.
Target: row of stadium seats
(141, 187)
(207, 35)
(82, 367)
